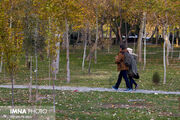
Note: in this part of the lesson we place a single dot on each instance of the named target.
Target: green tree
(11, 38)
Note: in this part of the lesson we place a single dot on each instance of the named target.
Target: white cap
(130, 50)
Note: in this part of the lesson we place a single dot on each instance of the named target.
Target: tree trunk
(1, 66)
(157, 36)
(67, 50)
(119, 33)
(134, 45)
(36, 77)
(36, 58)
(144, 45)
(139, 46)
(89, 37)
(110, 38)
(155, 31)
(26, 60)
(107, 31)
(12, 89)
(126, 34)
(119, 27)
(54, 72)
(96, 42)
(168, 47)
(11, 74)
(48, 52)
(49, 37)
(78, 37)
(164, 61)
(57, 56)
(89, 68)
(30, 83)
(172, 50)
(55, 62)
(117, 37)
(102, 36)
(92, 49)
(54, 94)
(85, 46)
(49, 71)
(177, 44)
(164, 53)
(64, 41)
(102, 32)
(144, 54)
(4, 72)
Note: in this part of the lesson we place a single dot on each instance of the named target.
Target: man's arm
(117, 59)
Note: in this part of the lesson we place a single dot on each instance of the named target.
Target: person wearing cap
(119, 60)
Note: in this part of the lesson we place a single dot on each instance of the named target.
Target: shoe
(136, 87)
(114, 88)
(128, 89)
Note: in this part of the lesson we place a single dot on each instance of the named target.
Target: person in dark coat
(132, 72)
(119, 60)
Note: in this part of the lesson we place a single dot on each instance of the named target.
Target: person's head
(122, 47)
(130, 50)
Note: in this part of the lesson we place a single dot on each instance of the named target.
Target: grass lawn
(102, 105)
(104, 73)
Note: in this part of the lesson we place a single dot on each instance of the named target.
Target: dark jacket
(120, 61)
(133, 68)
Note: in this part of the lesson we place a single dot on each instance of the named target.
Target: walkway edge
(88, 89)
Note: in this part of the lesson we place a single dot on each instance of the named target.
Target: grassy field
(72, 105)
(104, 73)
(102, 105)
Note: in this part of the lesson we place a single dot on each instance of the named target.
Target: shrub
(156, 78)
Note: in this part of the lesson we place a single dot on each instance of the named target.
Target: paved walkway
(87, 89)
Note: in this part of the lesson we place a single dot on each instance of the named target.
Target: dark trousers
(132, 82)
(123, 74)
